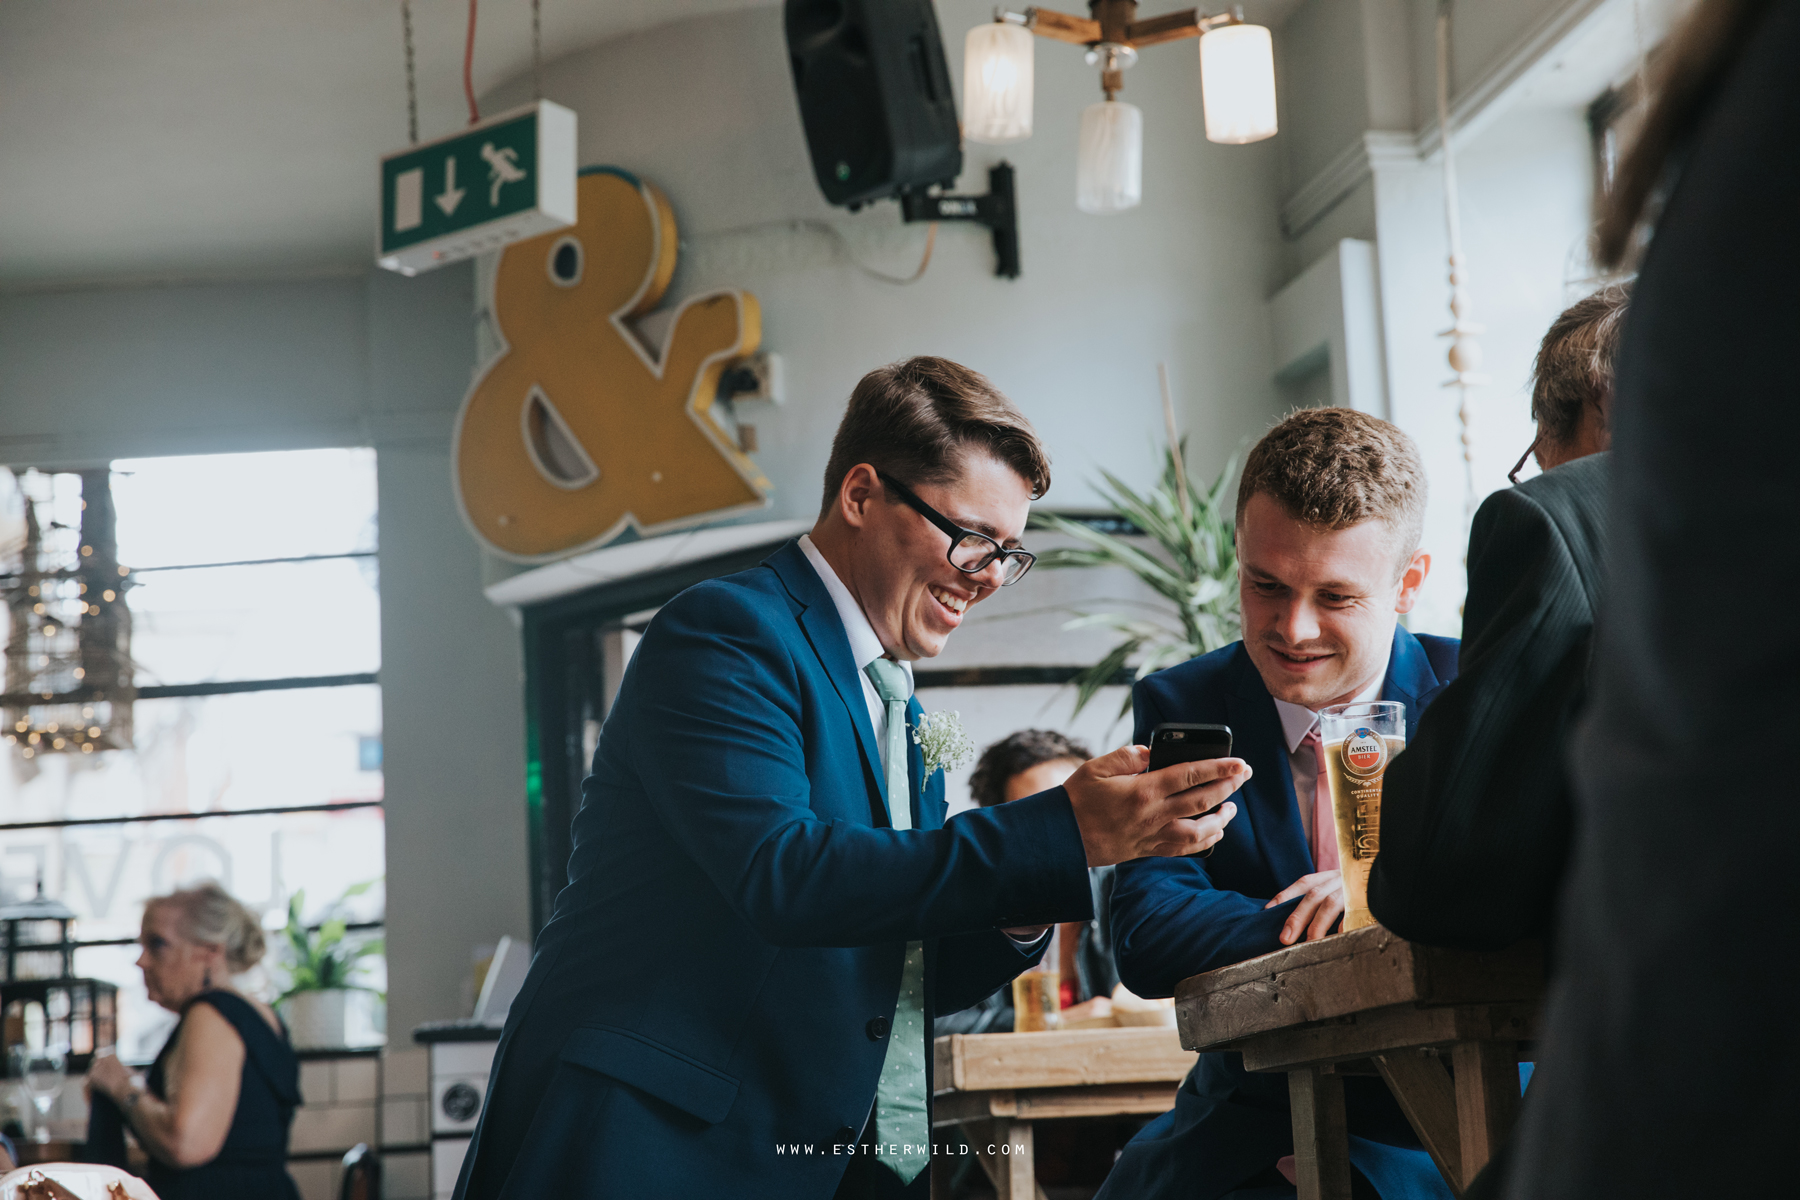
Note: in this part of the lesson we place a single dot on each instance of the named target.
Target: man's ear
(860, 490)
(1411, 580)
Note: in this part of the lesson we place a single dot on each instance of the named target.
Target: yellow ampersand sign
(576, 430)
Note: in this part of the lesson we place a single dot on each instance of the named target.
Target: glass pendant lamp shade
(997, 82)
(1109, 171)
(1237, 84)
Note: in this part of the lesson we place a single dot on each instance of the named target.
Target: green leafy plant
(328, 957)
(1190, 561)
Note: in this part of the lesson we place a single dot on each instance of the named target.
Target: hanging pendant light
(1109, 170)
(1237, 84)
(997, 83)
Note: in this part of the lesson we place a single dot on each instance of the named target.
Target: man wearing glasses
(765, 905)
(1477, 815)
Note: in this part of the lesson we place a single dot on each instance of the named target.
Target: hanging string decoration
(1465, 351)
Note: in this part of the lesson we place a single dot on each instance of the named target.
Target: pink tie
(1324, 824)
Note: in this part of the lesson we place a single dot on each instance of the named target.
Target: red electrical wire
(469, 67)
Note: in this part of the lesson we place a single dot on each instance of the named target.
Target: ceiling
(217, 137)
(188, 139)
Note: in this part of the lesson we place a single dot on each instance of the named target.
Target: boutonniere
(941, 740)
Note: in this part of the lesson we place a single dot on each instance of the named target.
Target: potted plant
(321, 966)
(1190, 561)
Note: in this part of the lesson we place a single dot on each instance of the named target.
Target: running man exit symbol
(503, 168)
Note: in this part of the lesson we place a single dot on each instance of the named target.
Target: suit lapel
(825, 634)
(1410, 679)
(1257, 738)
(927, 794)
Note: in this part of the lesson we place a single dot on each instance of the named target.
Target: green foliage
(325, 958)
(1191, 563)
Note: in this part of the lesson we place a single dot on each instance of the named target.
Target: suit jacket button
(878, 1028)
(845, 1136)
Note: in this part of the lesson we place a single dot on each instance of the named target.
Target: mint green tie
(902, 1121)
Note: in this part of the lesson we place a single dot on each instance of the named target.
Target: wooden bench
(995, 1085)
(1368, 1002)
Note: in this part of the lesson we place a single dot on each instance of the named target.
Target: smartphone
(1172, 743)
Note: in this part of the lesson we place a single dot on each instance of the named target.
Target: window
(254, 752)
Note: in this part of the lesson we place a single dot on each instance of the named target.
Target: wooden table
(996, 1084)
(1368, 1002)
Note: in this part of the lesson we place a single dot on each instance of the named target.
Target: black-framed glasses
(970, 552)
(1512, 476)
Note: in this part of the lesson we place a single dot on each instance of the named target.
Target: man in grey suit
(1476, 814)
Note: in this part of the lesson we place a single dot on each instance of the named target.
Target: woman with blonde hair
(214, 1111)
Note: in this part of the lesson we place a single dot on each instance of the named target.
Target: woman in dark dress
(214, 1111)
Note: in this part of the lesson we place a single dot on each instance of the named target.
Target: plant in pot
(322, 967)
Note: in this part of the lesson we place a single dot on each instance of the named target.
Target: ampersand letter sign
(575, 430)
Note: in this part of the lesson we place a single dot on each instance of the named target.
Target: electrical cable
(469, 67)
(898, 280)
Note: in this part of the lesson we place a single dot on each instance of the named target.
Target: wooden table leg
(1011, 1165)
(1321, 1141)
(1425, 1093)
(1487, 1099)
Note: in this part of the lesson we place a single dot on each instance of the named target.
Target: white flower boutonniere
(941, 739)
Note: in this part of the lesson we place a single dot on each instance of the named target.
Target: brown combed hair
(1332, 468)
(1574, 367)
(916, 419)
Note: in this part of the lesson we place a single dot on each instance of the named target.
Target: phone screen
(1174, 743)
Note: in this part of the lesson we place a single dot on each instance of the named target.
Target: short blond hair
(1332, 468)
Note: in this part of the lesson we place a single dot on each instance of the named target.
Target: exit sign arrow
(518, 173)
(452, 195)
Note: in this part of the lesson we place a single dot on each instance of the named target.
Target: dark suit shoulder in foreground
(1476, 818)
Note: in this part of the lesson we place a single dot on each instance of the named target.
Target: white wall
(357, 360)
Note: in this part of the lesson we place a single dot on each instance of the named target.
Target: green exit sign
(509, 178)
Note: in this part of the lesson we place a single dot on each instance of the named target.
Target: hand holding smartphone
(1173, 742)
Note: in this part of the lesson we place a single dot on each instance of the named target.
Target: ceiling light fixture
(1237, 86)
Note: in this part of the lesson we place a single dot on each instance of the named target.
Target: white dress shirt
(1296, 722)
(865, 648)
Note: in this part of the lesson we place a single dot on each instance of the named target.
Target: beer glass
(1037, 991)
(1360, 741)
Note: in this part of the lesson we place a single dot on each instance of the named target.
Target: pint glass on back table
(1360, 741)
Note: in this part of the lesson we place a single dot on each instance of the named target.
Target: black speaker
(874, 96)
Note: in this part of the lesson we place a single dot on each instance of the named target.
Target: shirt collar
(865, 647)
(1297, 720)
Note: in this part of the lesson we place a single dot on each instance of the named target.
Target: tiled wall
(406, 1123)
(381, 1102)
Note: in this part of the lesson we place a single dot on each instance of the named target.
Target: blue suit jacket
(707, 1010)
(1176, 917)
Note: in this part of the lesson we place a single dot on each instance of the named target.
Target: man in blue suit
(765, 905)
(1329, 513)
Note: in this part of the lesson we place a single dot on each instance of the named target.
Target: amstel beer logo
(1365, 752)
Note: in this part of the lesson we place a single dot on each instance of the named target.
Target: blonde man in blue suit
(765, 905)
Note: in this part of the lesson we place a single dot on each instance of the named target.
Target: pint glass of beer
(1360, 741)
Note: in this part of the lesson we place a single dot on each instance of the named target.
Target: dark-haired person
(765, 906)
(1329, 514)
(1669, 1065)
(215, 1109)
(1019, 765)
(1476, 815)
